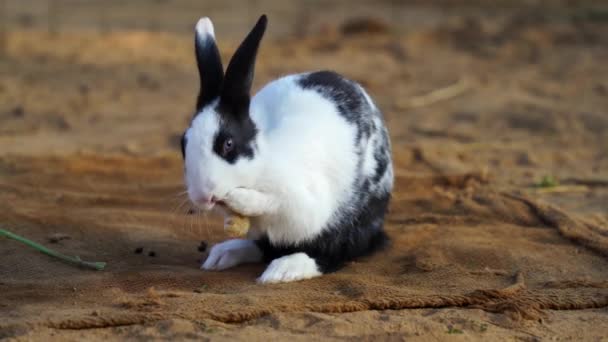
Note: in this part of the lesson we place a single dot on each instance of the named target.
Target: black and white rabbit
(308, 158)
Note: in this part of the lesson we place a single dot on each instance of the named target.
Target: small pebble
(18, 112)
(152, 254)
(139, 250)
(83, 88)
(202, 247)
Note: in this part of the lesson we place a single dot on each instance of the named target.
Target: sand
(480, 108)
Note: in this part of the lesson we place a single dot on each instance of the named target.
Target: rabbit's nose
(205, 202)
(208, 199)
(203, 198)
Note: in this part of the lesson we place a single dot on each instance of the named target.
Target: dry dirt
(482, 103)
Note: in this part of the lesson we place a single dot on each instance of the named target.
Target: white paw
(231, 253)
(291, 267)
(242, 201)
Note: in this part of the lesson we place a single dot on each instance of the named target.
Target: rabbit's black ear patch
(208, 59)
(236, 89)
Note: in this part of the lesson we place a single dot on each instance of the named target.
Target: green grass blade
(97, 265)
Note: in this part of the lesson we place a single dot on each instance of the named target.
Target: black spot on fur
(381, 155)
(365, 188)
(341, 242)
(381, 164)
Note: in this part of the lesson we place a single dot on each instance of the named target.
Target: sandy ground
(480, 102)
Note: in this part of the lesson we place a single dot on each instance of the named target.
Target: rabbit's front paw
(231, 253)
(247, 202)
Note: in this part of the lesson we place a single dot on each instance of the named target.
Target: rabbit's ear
(236, 89)
(210, 70)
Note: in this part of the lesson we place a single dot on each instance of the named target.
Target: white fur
(309, 158)
(204, 28)
(299, 181)
(293, 267)
(369, 162)
(199, 178)
(367, 98)
(251, 203)
(303, 168)
(231, 253)
(387, 180)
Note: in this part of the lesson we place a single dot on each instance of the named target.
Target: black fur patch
(348, 97)
(241, 130)
(341, 242)
(183, 143)
(338, 89)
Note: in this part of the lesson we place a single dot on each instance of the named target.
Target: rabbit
(308, 159)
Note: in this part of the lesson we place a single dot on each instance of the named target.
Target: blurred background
(516, 89)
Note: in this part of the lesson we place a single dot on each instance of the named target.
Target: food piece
(236, 225)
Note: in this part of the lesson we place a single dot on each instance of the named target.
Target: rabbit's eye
(228, 146)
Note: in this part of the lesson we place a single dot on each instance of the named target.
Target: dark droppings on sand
(202, 247)
(58, 237)
(139, 250)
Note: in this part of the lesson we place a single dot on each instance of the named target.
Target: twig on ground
(563, 188)
(97, 265)
(586, 182)
(437, 95)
